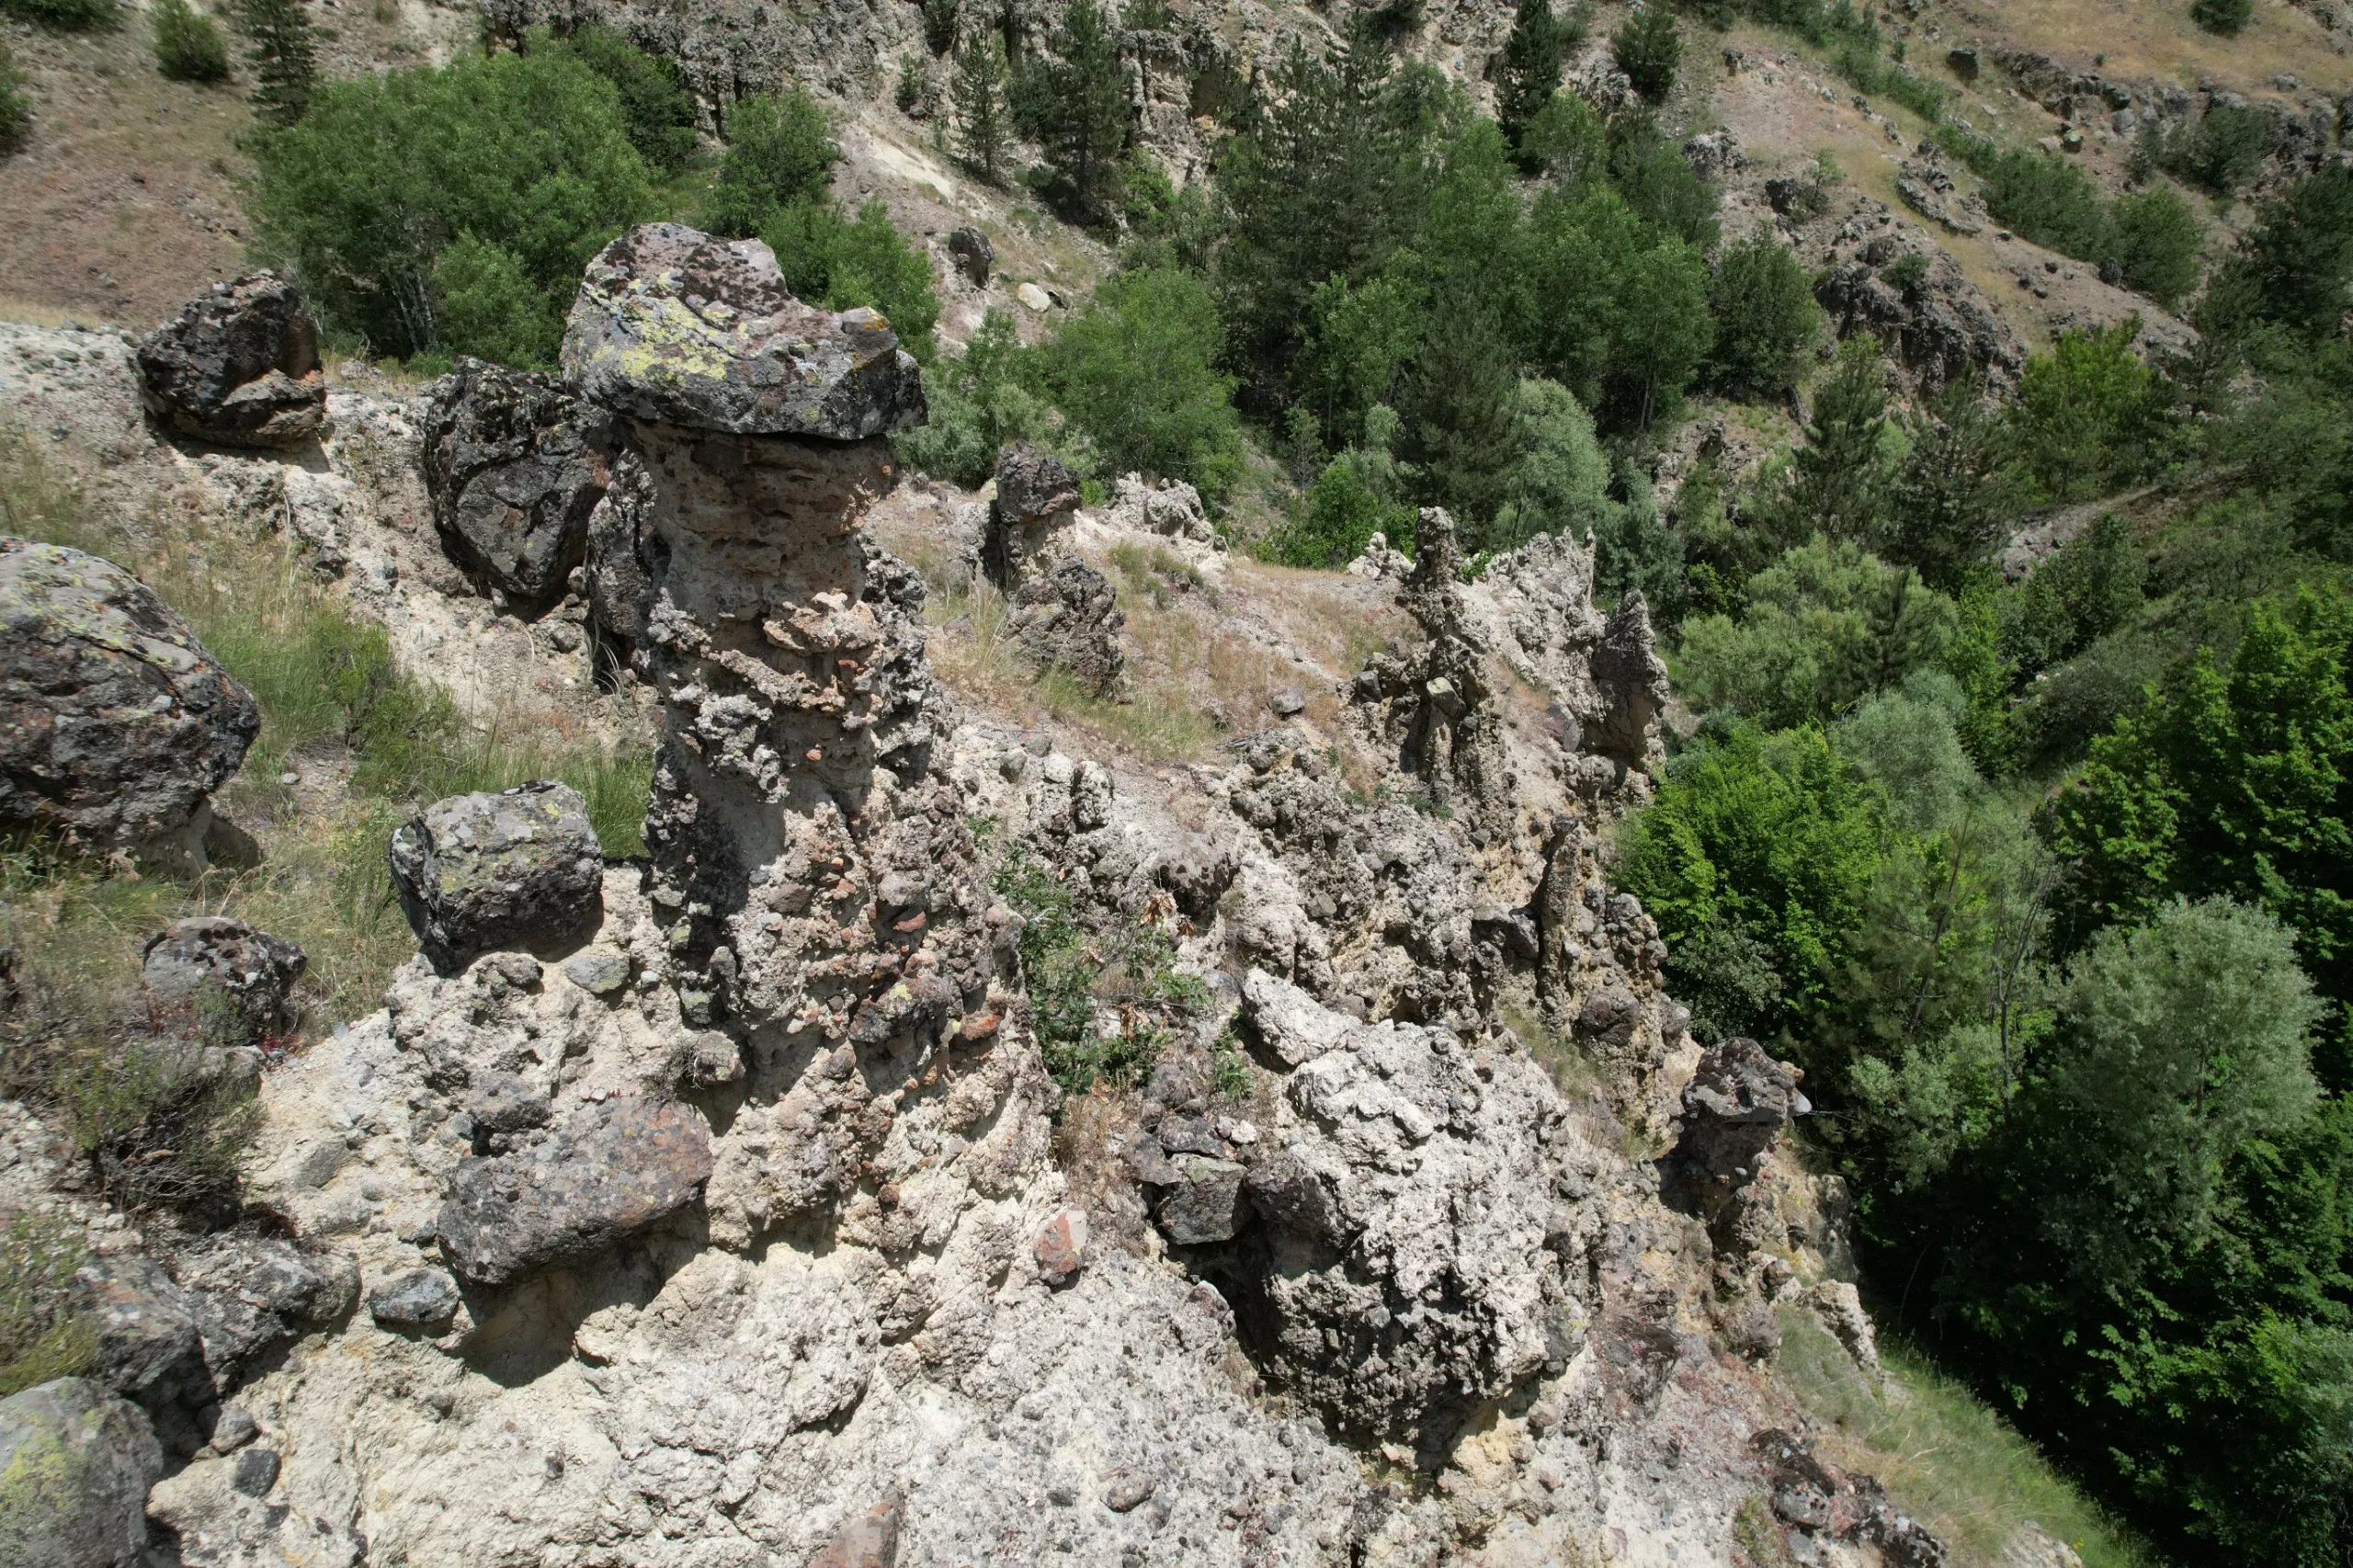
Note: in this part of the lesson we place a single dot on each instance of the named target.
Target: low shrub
(16, 105)
(188, 47)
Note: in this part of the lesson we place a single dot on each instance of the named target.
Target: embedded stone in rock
(116, 725)
(515, 465)
(1037, 496)
(250, 1294)
(76, 1464)
(251, 972)
(1061, 1247)
(614, 1169)
(517, 869)
(238, 365)
(1068, 618)
(1205, 1203)
(974, 255)
(600, 972)
(414, 1299)
(677, 325)
(148, 1349)
(871, 1540)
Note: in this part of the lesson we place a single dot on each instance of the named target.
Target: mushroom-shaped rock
(612, 1170)
(1736, 1104)
(515, 464)
(251, 974)
(116, 725)
(238, 365)
(1037, 496)
(517, 869)
(676, 326)
(76, 1464)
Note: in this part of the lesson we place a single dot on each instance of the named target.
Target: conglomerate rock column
(810, 866)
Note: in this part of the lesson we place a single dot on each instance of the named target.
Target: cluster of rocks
(1931, 320)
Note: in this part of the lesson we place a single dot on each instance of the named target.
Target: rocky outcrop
(974, 253)
(514, 466)
(611, 1171)
(76, 1464)
(239, 366)
(1929, 318)
(674, 326)
(1037, 498)
(224, 977)
(519, 869)
(1065, 615)
(1434, 702)
(1171, 508)
(116, 725)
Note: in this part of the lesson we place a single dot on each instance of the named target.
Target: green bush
(1767, 322)
(523, 155)
(2228, 17)
(1567, 141)
(15, 106)
(1825, 628)
(780, 151)
(2049, 200)
(2087, 412)
(2296, 266)
(1337, 516)
(1648, 46)
(2155, 238)
(656, 109)
(1558, 480)
(842, 261)
(1657, 182)
(187, 46)
(62, 15)
(1138, 372)
(2221, 152)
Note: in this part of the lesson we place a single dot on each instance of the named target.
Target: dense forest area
(2044, 878)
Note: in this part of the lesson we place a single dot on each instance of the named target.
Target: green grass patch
(1946, 1456)
(41, 1336)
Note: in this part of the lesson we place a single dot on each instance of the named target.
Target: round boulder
(251, 974)
(519, 869)
(76, 1464)
(116, 725)
(239, 366)
(513, 464)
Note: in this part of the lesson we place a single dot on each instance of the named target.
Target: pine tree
(284, 61)
(983, 133)
(1087, 107)
(1533, 56)
(15, 108)
(1841, 477)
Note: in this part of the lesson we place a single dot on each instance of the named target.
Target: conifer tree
(283, 55)
(982, 128)
(1533, 56)
(1086, 119)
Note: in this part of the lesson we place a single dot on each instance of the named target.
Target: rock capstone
(238, 365)
(514, 465)
(676, 326)
(116, 725)
(76, 1464)
(1037, 497)
(517, 869)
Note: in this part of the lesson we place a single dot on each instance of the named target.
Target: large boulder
(517, 869)
(209, 961)
(614, 1169)
(238, 365)
(149, 1348)
(116, 725)
(675, 325)
(76, 1464)
(515, 465)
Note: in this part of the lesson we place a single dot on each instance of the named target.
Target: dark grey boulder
(149, 1348)
(1736, 1105)
(116, 725)
(251, 1294)
(1204, 1204)
(76, 1464)
(611, 1170)
(1037, 496)
(1067, 618)
(677, 325)
(519, 869)
(238, 365)
(974, 255)
(226, 977)
(256, 1471)
(515, 465)
(413, 1299)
